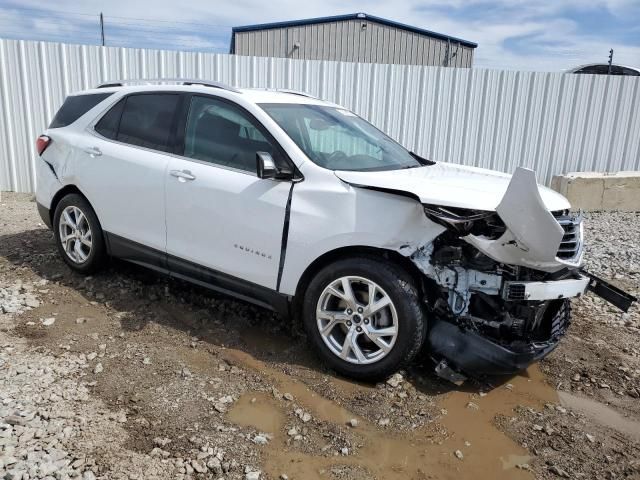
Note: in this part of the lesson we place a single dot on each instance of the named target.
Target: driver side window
(220, 133)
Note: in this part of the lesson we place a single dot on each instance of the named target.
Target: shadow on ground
(219, 320)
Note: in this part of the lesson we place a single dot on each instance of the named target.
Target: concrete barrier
(600, 191)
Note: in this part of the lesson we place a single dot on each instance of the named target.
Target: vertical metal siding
(551, 122)
(346, 41)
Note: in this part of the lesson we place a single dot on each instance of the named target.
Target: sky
(540, 35)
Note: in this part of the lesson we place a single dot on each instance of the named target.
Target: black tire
(97, 254)
(400, 288)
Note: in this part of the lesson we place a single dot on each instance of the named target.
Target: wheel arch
(60, 194)
(63, 192)
(346, 252)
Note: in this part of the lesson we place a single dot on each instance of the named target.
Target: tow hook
(608, 292)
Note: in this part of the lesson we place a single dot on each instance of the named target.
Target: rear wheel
(78, 234)
(364, 317)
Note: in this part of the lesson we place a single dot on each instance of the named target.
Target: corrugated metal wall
(348, 41)
(550, 122)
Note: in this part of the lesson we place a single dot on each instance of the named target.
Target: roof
(603, 64)
(251, 95)
(351, 16)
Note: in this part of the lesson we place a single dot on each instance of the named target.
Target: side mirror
(266, 167)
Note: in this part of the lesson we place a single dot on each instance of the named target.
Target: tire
(404, 315)
(84, 259)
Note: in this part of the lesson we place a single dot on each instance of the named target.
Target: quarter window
(221, 133)
(74, 107)
(146, 120)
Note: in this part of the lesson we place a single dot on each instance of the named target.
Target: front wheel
(364, 317)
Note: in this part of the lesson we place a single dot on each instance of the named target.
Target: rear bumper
(44, 214)
(474, 354)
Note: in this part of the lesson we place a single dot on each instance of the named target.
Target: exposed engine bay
(491, 316)
(479, 294)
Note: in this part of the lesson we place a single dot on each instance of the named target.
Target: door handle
(182, 175)
(93, 152)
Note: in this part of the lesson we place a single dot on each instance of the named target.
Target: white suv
(301, 206)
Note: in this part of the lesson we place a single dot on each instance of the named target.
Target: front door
(219, 214)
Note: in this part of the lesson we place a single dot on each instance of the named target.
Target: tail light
(42, 143)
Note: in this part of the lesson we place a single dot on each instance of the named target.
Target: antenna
(610, 61)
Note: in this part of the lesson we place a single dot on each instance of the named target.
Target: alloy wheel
(357, 320)
(75, 234)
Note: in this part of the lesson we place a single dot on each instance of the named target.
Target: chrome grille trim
(571, 245)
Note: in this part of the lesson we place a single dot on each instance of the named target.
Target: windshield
(338, 139)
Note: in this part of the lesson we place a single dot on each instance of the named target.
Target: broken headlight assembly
(465, 221)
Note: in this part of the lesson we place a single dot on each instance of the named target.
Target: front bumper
(476, 355)
(470, 350)
(551, 290)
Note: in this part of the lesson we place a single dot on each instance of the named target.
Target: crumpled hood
(450, 185)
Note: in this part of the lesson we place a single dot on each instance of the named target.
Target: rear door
(220, 214)
(122, 168)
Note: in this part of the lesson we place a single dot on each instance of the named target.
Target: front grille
(571, 244)
(561, 320)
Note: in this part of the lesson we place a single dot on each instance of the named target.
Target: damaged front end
(500, 282)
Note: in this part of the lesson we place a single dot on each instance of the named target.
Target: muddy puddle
(419, 454)
(601, 414)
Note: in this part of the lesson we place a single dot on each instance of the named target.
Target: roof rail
(183, 81)
(296, 92)
(286, 90)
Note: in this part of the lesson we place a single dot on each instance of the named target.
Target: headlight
(464, 221)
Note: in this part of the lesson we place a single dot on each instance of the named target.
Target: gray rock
(88, 475)
(260, 440)
(395, 380)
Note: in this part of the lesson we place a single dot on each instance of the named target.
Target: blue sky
(543, 35)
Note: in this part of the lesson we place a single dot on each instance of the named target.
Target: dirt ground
(127, 374)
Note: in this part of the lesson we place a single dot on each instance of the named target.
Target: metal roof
(351, 16)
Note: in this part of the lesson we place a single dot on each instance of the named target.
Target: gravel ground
(129, 375)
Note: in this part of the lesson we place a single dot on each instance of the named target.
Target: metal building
(357, 37)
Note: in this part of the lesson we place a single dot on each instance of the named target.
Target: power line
(172, 21)
(110, 23)
(107, 17)
(19, 35)
(40, 10)
(152, 42)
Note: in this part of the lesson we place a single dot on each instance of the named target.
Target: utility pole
(610, 61)
(102, 28)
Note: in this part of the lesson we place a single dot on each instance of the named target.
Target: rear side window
(76, 106)
(109, 123)
(146, 120)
